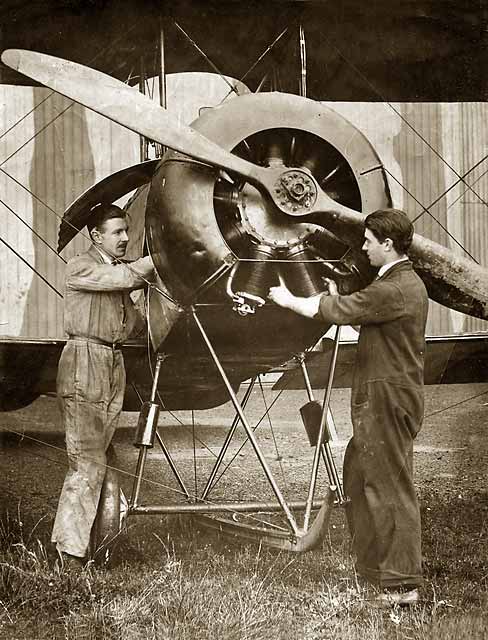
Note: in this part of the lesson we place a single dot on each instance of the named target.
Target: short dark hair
(101, 213)
(393, 224)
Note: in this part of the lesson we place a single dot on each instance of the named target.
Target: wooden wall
(424, 146)
(51, 151)
(427, 148)
(43, 174)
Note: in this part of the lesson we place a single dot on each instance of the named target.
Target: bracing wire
(195, 439)
(460, 245)
(31, 229)
(264, 53)
(62, 112)
(23, 435)
(400, 115)
(49, 95)
(482, 175)
(161, 485)
(246, 440)
(452, 186)
(461, 179)
(9, 246)
(26, 115)
(273, 435)
(419, 135)
(232, 87)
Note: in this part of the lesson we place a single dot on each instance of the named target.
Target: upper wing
(437, 49)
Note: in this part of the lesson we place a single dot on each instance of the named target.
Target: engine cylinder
(302, 278)
(256, 276)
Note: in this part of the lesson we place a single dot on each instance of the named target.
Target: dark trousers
(383, 515)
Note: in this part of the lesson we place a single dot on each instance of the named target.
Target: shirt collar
(386, 267)
(105, 257)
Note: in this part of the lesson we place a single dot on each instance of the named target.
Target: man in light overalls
(99, 316)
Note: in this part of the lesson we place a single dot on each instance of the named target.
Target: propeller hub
(295, 192)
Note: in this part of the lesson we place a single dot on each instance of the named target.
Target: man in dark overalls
(386, 405)
(98, 317)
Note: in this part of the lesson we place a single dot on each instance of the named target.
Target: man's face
(112, 237)
(379, 253)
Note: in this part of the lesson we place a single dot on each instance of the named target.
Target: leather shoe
(69, 563)
(395, 599)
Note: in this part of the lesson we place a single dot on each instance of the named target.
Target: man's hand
(281, 296)
(308, 307)
(332, 289)
(144, 267)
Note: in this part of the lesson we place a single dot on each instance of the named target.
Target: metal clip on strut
(148, 417)
(146, 430)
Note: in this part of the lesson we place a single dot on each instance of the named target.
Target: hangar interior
(409, 77)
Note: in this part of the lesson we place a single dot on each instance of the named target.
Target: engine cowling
(200, 219)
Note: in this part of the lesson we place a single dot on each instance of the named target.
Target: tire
(107, 526)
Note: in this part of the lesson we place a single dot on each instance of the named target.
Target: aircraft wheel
(107, 526)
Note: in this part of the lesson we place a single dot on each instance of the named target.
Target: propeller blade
(121, 103)
(452, 280)
(109, 189)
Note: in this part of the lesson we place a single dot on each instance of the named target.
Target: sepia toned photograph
(243, 320)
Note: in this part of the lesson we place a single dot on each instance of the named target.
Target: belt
(115, 346)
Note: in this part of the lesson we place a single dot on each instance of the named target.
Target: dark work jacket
(392, 312)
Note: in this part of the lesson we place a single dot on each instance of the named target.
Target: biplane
(273, 183)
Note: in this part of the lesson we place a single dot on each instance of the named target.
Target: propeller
(452, 280)
(109, 189)
(121, 103)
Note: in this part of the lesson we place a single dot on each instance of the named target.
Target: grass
(181, 583)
